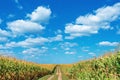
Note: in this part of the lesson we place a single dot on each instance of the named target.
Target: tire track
(51, 77)
(58, 73)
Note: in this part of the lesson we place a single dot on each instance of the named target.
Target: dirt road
(51, 77)
(58, 73)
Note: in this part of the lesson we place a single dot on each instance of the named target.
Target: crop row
(12, 69)
(104, 68)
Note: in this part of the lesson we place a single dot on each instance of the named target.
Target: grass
(64, 70)
(55, 77)
(45, 77)
(64, 77)
(53, 72)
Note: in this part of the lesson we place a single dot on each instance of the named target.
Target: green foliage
(104, 68)
(12, 69)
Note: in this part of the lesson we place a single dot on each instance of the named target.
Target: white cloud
(29, 42)
(67, 44)
(18, 4)
(11, 16)
(7, 53)
(4, 33)
(92, 23)
(80, 56)
(92, 53)
(85, 49)
(56, 38)
(2, 47)
(79, 30)
(41, 14)
(11, 44)
(20, 7)
(102, 16)
(3, 39)
(107, 43)
(67, 49)
(69, 52)
(45, 48)
(34, 51)
(58, 31)
(55, 48)
(22, 26)
(32, 42)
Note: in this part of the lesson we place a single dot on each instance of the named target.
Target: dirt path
(58, 73)
(51, 77)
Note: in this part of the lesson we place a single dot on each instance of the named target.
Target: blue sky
(58, 31)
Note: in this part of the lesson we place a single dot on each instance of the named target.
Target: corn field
(12, 69)
(104, 68)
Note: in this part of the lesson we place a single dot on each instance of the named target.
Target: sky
(58, 31)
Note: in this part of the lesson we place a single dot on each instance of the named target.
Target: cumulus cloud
(107, 43)
(34, 51)
(92, 23)
(58, 31)
(68, 44)
(4, 33)
(40, 15)
(56, 38)
(79, 30)
(7, 53)
(32, 42)
(2, 47)
(3, 39)
(33, 24)
(45, 48)
(29, 42)
(23, 26)
(80, 56)
(67, 49)
(92, 53)
(68, 52)
(85, 49)
(55, 48)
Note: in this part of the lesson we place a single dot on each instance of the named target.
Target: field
(103, 68)
(106, 67)
(13, 69)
